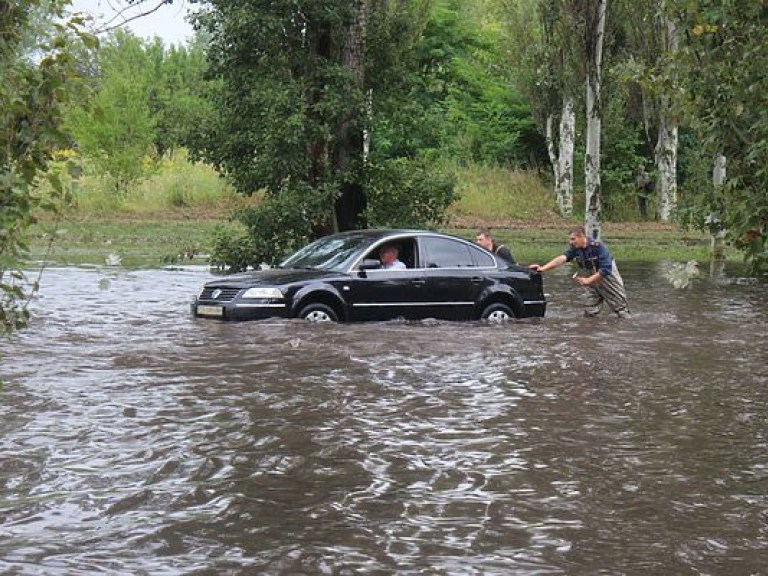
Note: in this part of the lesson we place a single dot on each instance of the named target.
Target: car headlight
(263, 293)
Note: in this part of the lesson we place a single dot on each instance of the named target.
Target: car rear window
(482, 258)
(447, 253)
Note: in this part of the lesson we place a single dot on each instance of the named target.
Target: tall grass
(175, 184)
(499, 194)
(181, 184)
(151, 222)
(485, 194)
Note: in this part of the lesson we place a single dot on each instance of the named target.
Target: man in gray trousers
(602, 280)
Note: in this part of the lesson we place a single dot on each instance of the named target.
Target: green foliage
(492, 194)
(506, 122)
(278, 89)
(488, 120)
(279, 225)
(621, 157)
(177, 94)
(117, 131)
(233, 250)
(452, 96)
(32, 92)
(139, 103)
(540, 46)
(405, 193)
(177, 183)
(723, 63)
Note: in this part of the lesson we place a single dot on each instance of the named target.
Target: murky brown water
(136, 440)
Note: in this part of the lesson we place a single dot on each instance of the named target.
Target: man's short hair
(578, 230)
(484, 232)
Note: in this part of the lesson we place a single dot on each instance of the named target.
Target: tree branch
(123, 19)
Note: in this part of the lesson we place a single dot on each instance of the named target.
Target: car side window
(446, 253)
(482, 258)
(406, 251)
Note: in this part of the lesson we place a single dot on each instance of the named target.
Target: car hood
(272, 277)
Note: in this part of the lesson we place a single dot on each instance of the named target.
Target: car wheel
(317, 312)
(497, 313)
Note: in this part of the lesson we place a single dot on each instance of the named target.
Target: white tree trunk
(666, 162)
(565, 161)
(561, 157)
(594, 123)
(368, 122)
(717, 230)
(552, 151)
(666, 145)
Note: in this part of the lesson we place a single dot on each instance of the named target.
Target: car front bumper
(239, 309)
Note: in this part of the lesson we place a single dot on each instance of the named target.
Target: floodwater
(137, 440)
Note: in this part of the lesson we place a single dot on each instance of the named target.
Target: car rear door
(456, 273)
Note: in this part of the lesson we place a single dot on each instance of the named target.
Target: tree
(540, 36)
(116, 131)
(35, 70)
(667, 143)
(295, 86)
(289, 102)
(652, 38)
(470, 89)
(349, 207)
(176, 93)
(590, 16)
(721, 63)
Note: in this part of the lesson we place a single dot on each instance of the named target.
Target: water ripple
(135, 440)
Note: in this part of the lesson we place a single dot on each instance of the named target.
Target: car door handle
(476, 280)
(418, 282)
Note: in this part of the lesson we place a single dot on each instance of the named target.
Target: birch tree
(716, 229)
(540, 35)
(667, 143)
(648, 61)
(591, 15)
(565, 159)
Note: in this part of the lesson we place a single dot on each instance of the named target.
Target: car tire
(497, 313)
(318, 312)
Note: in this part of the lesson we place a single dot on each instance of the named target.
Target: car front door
(385, 294)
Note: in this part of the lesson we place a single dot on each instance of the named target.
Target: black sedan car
(341, 278)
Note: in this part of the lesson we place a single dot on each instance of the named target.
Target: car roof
(378, 233)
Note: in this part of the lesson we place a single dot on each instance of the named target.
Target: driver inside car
(389, 258)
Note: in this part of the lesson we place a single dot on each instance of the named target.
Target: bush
(404, 193)
(232, 250)
(279, 225)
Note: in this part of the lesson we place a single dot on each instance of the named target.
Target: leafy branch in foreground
(36, 67)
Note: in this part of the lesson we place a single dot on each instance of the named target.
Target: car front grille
(219, 294)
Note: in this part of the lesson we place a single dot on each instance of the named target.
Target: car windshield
(329, 253)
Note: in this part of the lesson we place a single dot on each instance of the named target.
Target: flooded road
(137, 440)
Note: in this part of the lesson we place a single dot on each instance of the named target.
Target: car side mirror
(367, 264)
(370, 264)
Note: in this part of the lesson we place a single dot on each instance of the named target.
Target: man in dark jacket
(600, 276)
(485, 240)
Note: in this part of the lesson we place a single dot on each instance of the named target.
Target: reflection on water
(137, 440)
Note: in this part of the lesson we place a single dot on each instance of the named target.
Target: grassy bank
(187, 236)
(171, 218)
